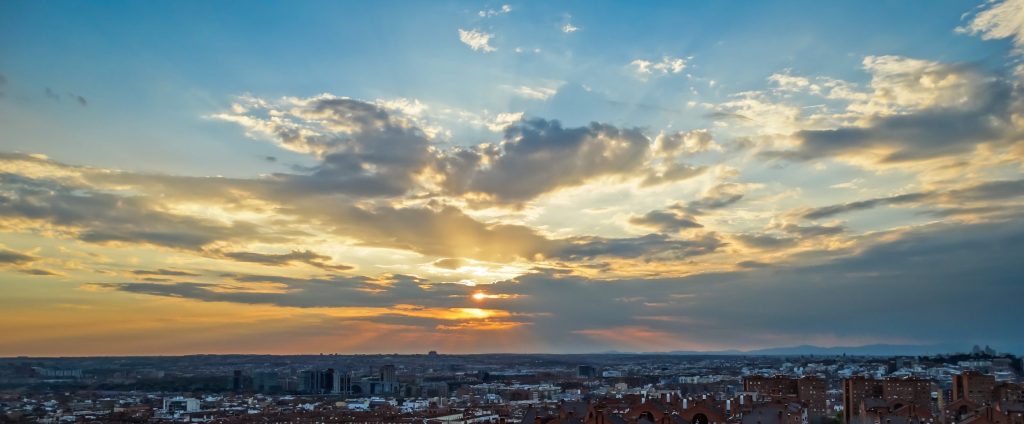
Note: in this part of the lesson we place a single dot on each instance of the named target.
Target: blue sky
(474, 150)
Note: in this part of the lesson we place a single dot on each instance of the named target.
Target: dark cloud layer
(338, 291)
(934, 131)
(988, 191)
(300, 256)
(538, 156)
(665, 221)
(14, 257)
(164, 272)
(99, 217)
(923, 275)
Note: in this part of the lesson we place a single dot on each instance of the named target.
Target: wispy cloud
(477, 40)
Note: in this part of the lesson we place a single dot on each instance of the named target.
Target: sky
(183, 177)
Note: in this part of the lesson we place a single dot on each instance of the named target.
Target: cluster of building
(517, 389)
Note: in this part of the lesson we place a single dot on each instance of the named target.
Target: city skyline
(566, 177)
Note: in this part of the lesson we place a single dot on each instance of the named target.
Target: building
(180, 404)
(895, 393)
(266, 382)
(388, 379)
(974, 386)
(586, 371)
(329, 381)
(810, 391)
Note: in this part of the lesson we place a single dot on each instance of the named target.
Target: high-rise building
(320, 382)
(237, 381)
(809, 390)
(901, 390)
(586, 371)
(341, 383)
(388, 379)
(974, 386)
(266, 382)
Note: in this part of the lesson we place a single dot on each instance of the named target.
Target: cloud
(832, 210)
(983, 192)
(301, 256)
(746, 309)
(537, 156)
(99, 217)
(363, 148)
(504, 120)
(164, 272)
(88, 213)
(665, 221)
(40, 272)
(765, 241)
(998, 19)
(650, 247)
(489, 13)
(477, 40)
(450, 263)
(535, 93)
(717, 197)
(919, 111)
(793, 305)
(11, 257)
(676, 143)
(394, 293)
(665, 66)
(807, 231)
(569, 28)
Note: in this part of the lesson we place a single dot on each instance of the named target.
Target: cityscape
(512, 211)
(978, 387)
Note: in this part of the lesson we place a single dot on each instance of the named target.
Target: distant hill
(865, 350)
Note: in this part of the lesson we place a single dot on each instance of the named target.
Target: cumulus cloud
(537, 156)
(918, 110)
(672, 144)
(477, 40)
(364, 149)
(504, 120)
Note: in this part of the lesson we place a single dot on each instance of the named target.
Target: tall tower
(387, 379)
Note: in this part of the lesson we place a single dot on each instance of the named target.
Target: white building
(181, 404)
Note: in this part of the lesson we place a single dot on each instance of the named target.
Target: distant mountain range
(865, 350)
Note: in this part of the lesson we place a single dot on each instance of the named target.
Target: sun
(479, 296)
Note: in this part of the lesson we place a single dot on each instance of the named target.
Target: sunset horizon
(292, 178)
